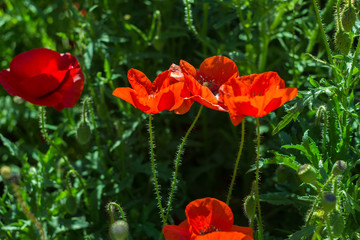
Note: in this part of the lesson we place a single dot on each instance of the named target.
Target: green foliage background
(114, 36)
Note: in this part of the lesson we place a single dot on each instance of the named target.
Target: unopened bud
(307, 173)
(5, 172)
(348, 17)
(71, 205)
(337, 223)
(250, 206)
(328, 201)
(119, 230)
(83, 132)
(342, 42)
(339, 167)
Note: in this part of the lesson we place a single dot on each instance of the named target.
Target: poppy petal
(130, 96)
(208, 215)
(173, 232)
(245, 230)
(139, 82)
(34, 62)
(187, 68)
(218, 68)
(223, 236)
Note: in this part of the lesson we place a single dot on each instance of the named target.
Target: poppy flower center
(208, 82)
(210, 229)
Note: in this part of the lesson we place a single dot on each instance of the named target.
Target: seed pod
(71, 205)
(339, 167)
(83, 132)
(328, 201)
(348, 17)
(119, 230)
(307, 173)
(250, 206)
(337, 223)
(342, 42)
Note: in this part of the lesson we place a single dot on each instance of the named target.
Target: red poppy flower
(255, 95)
(44, 77)
(204, 83)
(167, 92)
(207, 219)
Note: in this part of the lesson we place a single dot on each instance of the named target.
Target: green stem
(153, 167)
(177, 164)
(264, 46)
(236, 162)
(97, 139)
(320, 191)
(356, 54)
(48, 140)
(328, 51)
(109, 206)
(331, 237)
(317, 231)
(257, 200)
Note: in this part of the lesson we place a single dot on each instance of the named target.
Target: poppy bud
(337, 223)
(119, 230)
(157, 43)
(83, 132)
(250, 206)
(5, 172)
(339, 167)
(348, 17)
(71, 205)
(307, 173)
(328, 201)
(342, 42)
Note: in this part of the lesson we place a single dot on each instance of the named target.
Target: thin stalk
(237, 161)
(48, 140)
(153, 167)
(320, 191)
(97, 139)
(356, 54)
(25, 208)
(317, 231)
(177, 164)
(327, 47)
(257, 200)
(110, 209)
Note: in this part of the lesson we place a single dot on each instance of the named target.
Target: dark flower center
(208, 82)
(210, 229)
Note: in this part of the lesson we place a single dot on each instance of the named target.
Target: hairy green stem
(236, 162)
(318, 230)
(356, 54)
(153, 167)
(327, 47)
(257, 200)
(110, 209)
(72, 169)
(97, 139)
(177, 164)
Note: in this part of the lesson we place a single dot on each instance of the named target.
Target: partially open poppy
(44, 77)
(204, 83)
(255, 95)
(207, 219)
(167, 92)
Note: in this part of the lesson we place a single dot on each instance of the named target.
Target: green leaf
(284, 160)
(285, 121)
(304, 232)
(10, 145)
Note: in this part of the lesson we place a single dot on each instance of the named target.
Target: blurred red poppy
(255, 95)
(44, 77)
(167, 92)
(207, 219)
